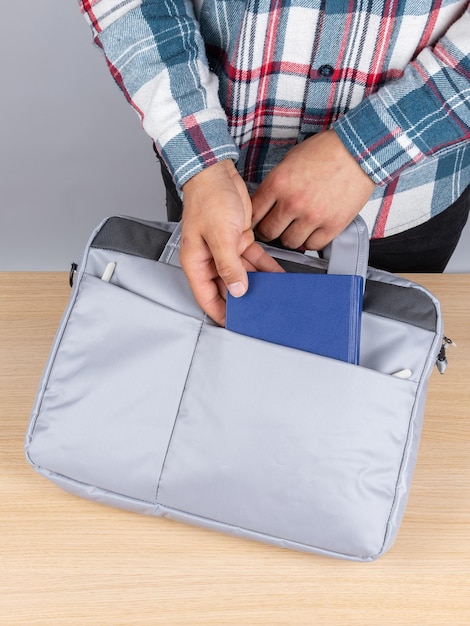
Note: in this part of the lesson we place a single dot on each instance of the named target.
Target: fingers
(274, 225)
(311, 195)
(293, 229)
(210, 274)
(319, 239)
(257, 259)
(226, 248)
(276, 211)
(262, 201)
(203, 278)
(308, 235)
(216, 218)
(217, 242)
(210, 268)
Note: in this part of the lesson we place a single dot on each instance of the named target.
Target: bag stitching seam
(170, 439)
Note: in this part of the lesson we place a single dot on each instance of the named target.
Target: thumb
(227, 255)
(232, 272)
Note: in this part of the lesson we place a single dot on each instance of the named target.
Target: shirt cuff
(377, 142)
(422, 113)
(198, 145)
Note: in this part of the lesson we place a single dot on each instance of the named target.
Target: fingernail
(237, 289)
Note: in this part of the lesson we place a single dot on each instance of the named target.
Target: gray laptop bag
(147, 405)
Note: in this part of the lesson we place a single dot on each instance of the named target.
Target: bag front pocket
(106, 417)
(287, 444)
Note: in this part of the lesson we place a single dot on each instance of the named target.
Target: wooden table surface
(69, 561)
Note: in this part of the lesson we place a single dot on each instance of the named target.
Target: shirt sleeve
(423, 113)
(156, 55)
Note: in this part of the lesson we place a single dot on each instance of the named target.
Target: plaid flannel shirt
(248, 79)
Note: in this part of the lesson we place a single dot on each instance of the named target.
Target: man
(320, 110)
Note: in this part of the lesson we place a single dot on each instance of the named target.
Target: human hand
(311, 195)
(217, 242)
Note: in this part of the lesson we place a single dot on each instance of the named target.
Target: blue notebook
(319, 313)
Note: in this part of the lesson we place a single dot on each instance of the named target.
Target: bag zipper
(441, 360)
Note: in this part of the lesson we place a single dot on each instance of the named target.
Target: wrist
(211, 174)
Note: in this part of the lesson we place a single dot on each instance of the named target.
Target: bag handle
(348, 253)
(170, 254)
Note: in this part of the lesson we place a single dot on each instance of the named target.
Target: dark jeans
(424, 248)
(174, 206)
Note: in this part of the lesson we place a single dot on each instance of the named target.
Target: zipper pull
(73, 271)
(441, 360)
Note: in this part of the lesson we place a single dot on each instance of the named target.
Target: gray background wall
(71, 149)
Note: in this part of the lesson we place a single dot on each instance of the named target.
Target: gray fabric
(394, 301)
(349, 253)
(313, 463)
(132, 237)
(151, 241)
(147, 405)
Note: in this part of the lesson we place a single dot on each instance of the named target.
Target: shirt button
(326, 71)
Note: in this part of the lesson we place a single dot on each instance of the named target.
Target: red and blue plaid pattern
(247, 80)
